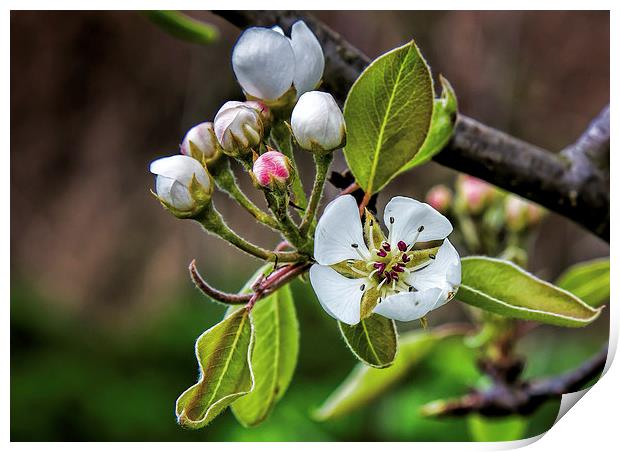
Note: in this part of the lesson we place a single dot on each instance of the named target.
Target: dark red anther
(381, 253)
(398, 268)
(380, 266)
(402, 246)
(386, 246)
(394, 275)
(406, 258)
(388, 277)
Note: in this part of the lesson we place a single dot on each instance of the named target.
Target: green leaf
(364, 384)
(373, 340)
(183, 27)
(486, 429)
(224, 353)
(442, 126)
(388, 113)
(274, 357)
(504, 288)
(588, 280)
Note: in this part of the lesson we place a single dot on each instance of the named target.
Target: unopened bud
(273, 170)
(521, 213)
(439, 197)
(475, 193)
(238, 128)
(317, 122)
(183, 185)
(200, 143)
(263, 111)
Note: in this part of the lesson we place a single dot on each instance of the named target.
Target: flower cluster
(276, 73)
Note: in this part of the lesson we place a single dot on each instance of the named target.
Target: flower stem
(281, 137)
(226, 181)
(213, 222)
(322, 162)
(278, 204)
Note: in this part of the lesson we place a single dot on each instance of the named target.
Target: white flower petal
(339, 296)
(407, 306)
(278, 29)
(181, 168)
(338, 228)
(264, 63)
(443, 273)
(317, 120)
(309, 59)
(409, 215)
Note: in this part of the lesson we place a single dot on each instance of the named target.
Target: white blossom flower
(267, 63)
(182, 183)
(360, 271)
(238, 127)
(317, 122)
(200, 142)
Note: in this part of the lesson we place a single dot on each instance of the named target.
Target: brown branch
(519, 397)
(559, 183)
(260, 289)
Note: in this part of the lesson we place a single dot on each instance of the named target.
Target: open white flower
(267, 63)
(360, 271)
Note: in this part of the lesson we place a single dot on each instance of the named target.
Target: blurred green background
(103, 315)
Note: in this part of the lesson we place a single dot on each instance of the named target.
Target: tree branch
(520, 397)
(557, 181)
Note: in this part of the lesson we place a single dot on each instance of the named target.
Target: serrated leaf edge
(596, 312)
(201, 423)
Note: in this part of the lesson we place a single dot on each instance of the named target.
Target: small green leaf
(442, 126)
(274, 357)
(373, 340)
(224, 354)
(504, 288)
(364, 384)
(588, 280)
(388, 113)
(183, 27)
(487, 429)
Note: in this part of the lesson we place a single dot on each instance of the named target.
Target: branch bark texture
(573, 183)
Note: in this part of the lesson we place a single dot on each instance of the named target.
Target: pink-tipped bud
(439, 197)
(273, 170)
(521, 213)
(475, 192)
(200, 143)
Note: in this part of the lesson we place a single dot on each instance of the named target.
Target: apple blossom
(238, 128)
(317, 122)
(268, 64)
(200, 143)
(359, 270)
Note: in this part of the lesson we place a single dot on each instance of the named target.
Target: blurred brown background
(95, 96)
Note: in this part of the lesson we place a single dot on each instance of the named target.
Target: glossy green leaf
(504, 288)
(274, 357)
(486, 429)
(588, 280)
(442, 126)
(364, 384)
(373, 340)
(224, 354)
(183, 27)
(388, 113)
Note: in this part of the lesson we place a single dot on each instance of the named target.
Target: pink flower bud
(272, 170)
(521, 213)
(475, 192)
(439, 197)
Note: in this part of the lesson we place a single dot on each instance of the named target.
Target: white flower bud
(268, 64)
(238, 128)
(182, 185)
(273, 170)
(200, 143)
(318, 123)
